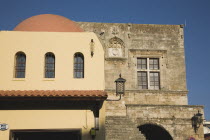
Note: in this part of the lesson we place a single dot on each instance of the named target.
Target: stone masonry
(166, 107)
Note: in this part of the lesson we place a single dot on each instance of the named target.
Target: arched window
(49, 65)
(78, 65)
(20, 65)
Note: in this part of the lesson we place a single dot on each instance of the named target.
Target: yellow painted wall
(51, 119)
(64, 45)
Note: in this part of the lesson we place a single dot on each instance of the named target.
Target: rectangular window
(142, 63)
(153, 64)
(154, 80)
(148, 73)
(142, 80)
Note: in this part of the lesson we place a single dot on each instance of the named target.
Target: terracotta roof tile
(53, 93)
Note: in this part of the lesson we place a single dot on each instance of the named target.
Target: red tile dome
(48, 23)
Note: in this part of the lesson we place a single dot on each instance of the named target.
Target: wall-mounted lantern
(92, 47)
(120, 88)
(197, 121)
(120, 85)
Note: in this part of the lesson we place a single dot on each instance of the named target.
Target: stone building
(151, 58)
(59, 76)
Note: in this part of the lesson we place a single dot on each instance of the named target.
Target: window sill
(79, 78)
(149, 89)
(18, 79)
(49, 79)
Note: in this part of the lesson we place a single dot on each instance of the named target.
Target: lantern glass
(120, 85)
(199, 116)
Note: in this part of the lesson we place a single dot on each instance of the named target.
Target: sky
(195, 14)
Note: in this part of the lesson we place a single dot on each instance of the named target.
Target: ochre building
(57, 82)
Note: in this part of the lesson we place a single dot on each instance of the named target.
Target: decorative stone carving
(116, 47)
(115, 31)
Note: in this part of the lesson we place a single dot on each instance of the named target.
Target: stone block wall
(167, 107)
(176, 119)
(173, 117)
(122, 128)
(162, 111)
(162, 41)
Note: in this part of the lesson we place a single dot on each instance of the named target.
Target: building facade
(57, 80)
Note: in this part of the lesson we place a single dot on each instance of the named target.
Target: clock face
(115, 52)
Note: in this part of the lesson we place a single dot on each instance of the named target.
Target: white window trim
(148, 70)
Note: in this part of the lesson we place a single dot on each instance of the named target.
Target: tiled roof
(53, 93)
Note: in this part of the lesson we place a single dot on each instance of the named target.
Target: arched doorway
(154, 132)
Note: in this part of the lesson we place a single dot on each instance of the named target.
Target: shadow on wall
(54, 134)
(51, 103)
(47, 103)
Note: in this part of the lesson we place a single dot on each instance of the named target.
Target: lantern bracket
(114, 99)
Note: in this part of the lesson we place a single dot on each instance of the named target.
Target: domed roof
(48, 23)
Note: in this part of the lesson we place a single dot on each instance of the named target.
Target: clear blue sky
(195, 12)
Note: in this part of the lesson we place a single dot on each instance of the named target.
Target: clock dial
(115, 52)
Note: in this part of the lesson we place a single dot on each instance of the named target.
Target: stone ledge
(115, 59)
(126, 117)
(147, 50)
(172, 118)
(165, 121)
(151, 105)
(152, 91)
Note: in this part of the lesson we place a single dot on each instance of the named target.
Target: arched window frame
(49, 69)
(20, 65)
(78, 65)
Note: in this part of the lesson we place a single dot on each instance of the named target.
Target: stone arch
(116, 40)
(154, 131)
(116, 47)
